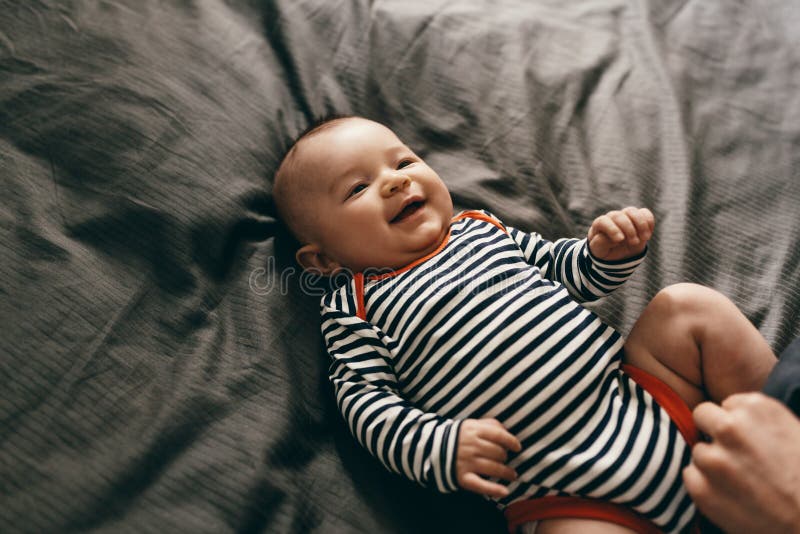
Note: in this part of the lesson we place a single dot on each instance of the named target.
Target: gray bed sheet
(161, 371)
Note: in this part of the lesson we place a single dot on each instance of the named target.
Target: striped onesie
(488, 326)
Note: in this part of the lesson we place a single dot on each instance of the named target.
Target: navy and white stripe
(490, 327)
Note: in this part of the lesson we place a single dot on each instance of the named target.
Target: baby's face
(371, 201)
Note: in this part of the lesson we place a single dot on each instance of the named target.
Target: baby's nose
(395, 183)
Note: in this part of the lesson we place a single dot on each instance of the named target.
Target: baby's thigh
(663, 342)
(570, 525)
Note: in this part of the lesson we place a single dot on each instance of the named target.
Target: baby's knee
(689, 299)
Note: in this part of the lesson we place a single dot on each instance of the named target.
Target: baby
(461, 357)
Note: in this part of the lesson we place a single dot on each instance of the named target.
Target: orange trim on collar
(471, 214)
(413, 263)
(361, 310)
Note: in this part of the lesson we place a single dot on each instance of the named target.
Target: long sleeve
(408, 441)
(783, 382)
(569, 262)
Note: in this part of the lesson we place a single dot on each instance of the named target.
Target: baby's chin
(431, 234)
(405, 249)
(425, 241)
(394, 261)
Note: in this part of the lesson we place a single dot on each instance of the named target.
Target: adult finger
(700, 489)
(750, 400)
(710, 418)
(710, 460)
(696, 483)
(473, 482)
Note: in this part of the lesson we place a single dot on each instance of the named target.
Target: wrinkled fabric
(161, 367)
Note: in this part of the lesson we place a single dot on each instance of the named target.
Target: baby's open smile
(368, 200)
(410, 207)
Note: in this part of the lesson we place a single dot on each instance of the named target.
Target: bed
(162, 367)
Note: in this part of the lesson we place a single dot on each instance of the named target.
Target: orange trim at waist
(522, 512)
(671, 402)
(552, 507)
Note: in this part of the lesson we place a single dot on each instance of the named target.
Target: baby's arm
(591, 268)
(408, 441)
(426, 448)
(621, 234)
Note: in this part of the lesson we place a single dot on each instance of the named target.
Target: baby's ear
(311, 258)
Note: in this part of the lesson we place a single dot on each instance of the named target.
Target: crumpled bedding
(161, 366)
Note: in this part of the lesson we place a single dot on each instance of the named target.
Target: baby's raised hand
(482, 451)
(621, 234)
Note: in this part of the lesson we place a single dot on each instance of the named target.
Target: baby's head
(356, 197)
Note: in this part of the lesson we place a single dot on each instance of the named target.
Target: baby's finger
(599, 245)
(642, 220)
(604, 225)
(624, 222)
(493, 469)
(649, 218)
(497, 433)
(473, 482)
(490, 449)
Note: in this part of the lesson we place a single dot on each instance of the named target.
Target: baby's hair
(317, 126)
(283, 194)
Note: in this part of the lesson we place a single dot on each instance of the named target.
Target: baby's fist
(621, 234)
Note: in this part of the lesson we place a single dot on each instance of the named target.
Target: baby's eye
(357, 189)
(404, 163)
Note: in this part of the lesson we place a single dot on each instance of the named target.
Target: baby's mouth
(408, 211)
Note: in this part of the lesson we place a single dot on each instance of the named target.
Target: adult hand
(483, 446)
(621, 234)
(747, 479)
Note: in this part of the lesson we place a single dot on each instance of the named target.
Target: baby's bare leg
(570, 525)
(700, 344)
